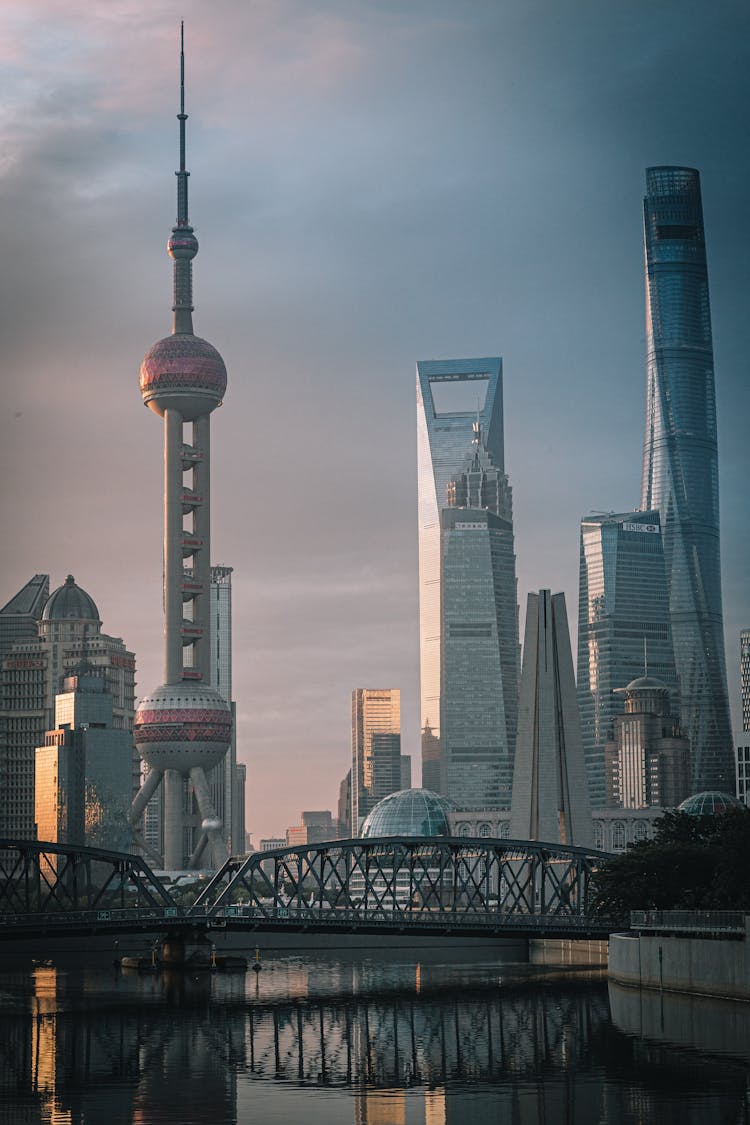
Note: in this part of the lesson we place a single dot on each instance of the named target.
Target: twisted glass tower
(680, 461)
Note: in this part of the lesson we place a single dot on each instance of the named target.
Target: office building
(66, 637)
(648, 760)
(405, 771)
(680, 461)
(550, 793)
(376, 749)
(479, 625)
(460, 422)
(184, 727)
(623, 620)
(83, 772)
(316, 828)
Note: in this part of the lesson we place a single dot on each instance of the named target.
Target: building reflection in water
(83, 1047)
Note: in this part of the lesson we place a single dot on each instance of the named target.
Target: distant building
(67, 636)
(376, 749)
(623, 617)
(550, 794)
(742, 744)
(272, 843)
(345, 806)
(405, 771)
(680, 460)
(83, 772)
(316, 828)
(614, 830)
(648, 761)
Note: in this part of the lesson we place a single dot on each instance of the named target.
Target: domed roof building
(70, 603)
(709, 803)
(409, 812)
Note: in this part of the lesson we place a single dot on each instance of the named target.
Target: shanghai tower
(680, 461)
(184, 727)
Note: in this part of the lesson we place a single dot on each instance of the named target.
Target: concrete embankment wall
(563, 951)
(705, 966)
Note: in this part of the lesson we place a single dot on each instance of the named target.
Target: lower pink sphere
(180, 726)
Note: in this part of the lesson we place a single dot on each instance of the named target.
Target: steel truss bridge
(400, 885)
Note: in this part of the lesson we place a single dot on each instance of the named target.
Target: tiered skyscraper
(185, 726)
(467, 588)
(680, 461)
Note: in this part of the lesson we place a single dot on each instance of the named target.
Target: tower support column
(173, 546)
(173, 852)
(201, 560)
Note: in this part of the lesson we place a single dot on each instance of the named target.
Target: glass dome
(708, 803)
(409, 812)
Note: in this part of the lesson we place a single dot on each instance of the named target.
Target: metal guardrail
(707, 922)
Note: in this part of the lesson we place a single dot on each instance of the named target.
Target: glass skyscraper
(376, 749)
(623, 622)
(680, 469)
(466, 574)
(479, 657)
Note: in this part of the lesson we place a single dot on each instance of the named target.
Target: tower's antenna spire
(183, 245)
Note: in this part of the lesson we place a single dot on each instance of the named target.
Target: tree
(693, 863)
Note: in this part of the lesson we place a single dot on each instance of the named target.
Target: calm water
(372, 1041)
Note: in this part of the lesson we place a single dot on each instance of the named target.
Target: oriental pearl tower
(183, 728)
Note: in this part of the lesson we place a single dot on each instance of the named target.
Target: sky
(372, 183)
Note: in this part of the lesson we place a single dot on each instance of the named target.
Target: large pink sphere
(185, 373)
(183, 725)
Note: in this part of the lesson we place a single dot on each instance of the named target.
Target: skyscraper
(550, 795)
(479, 654)
(453, 395)
(623, 620)
(376, 749)
(680, 469)
(184, 727)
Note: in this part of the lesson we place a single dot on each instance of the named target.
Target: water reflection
(359, 1041)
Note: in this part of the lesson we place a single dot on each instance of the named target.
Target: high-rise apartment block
(648, 760)
(376, 749)
(66, 639)
(467, 589)
(680, 461)
(623, 620)
(550, 793)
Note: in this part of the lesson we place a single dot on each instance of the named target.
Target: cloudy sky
(373, 182)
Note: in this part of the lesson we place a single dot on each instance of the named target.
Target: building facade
(83, 772)
(623, 621)
(479, 629)
(376, 749)
(550, 793)
(680, 461)
(460, 420)
(68, 637)
(648, 760)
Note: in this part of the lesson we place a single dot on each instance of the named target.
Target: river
(454, 1038)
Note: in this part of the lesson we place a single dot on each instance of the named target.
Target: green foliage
(693, 863)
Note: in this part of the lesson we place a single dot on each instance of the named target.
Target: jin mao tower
(184, 727)
(680, 461)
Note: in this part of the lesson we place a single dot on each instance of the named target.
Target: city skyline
(497, 212)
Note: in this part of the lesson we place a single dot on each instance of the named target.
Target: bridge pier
(193, 948)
